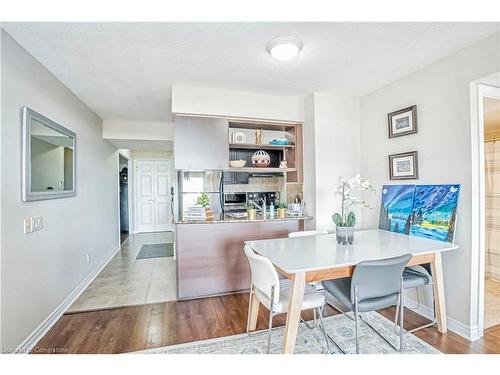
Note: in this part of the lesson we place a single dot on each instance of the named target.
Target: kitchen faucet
(261, 208)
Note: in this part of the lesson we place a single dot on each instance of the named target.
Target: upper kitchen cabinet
(200, 143)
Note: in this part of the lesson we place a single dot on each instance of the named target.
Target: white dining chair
(307, 233)
(274, 293)
(318, 286)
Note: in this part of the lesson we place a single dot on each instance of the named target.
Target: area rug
(157, 250)
(339, 327)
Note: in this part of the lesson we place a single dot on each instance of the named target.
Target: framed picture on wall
(403, 166)
(402, 122)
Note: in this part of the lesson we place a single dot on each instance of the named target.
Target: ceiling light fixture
(284, 48)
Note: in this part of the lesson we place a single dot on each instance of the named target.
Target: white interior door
(145, 212)
(153, 211)
(163, 215)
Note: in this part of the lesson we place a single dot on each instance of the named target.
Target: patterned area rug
(339, 327)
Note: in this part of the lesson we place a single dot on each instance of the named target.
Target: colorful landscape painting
(396, 208)
(434, 212)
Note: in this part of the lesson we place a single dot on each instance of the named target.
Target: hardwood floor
(134, 328)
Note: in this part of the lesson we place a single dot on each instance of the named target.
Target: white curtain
(492, 180)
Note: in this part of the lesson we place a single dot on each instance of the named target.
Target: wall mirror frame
(35, 171)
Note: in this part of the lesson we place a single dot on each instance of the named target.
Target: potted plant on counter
(251, 211)
(282, 206)
(346, 219)
(204, 201)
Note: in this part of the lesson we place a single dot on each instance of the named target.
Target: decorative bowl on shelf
(237, 163)
(261, 159)
(279, 142)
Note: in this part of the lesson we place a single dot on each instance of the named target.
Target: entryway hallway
(129, 281)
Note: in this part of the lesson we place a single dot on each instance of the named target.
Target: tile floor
(129, 281)
(491, 303)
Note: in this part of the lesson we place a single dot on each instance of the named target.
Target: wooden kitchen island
(210, 257)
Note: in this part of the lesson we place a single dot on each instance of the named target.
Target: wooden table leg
(294, 309)
(438, 285)
(254, 311)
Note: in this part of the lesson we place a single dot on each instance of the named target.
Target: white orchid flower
(344, 188)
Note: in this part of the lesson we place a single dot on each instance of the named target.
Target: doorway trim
(130, 199)
(478, 91)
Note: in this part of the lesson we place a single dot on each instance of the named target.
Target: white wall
(152, 155)
(441, 93)
(309, 161)
(40, 270)
(120, 129)
(212, 102)
(125, 152)
(331, 150)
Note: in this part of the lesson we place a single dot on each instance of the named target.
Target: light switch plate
(36, 223)
(27, 225)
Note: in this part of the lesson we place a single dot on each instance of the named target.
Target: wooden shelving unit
(292, 153)
(252, 146)
(261, 170)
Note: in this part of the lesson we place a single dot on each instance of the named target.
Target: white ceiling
(126, 70)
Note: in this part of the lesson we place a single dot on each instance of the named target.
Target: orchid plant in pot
(346, 219)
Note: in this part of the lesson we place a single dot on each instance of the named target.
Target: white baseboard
(467, 332)
(30, 342)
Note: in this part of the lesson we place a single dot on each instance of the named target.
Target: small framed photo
(403, 166)
(403, 122)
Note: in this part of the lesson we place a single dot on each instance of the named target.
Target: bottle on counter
(271, 210)
(296, 205)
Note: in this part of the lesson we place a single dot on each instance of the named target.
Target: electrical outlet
(36, 223)
(28, 228)
(88, 258)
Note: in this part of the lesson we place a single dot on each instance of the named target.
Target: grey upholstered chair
(274, 293)
(413, 278)
(374, 285)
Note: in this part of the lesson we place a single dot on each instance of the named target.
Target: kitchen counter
(221, 219)
(210, 258)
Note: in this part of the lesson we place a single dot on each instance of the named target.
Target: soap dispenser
(271, 211)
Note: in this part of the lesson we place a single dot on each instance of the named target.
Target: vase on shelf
(345, 235)
(261, 159)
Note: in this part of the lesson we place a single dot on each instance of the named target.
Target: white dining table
(317, 258)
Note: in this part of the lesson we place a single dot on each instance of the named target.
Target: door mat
(158, 250)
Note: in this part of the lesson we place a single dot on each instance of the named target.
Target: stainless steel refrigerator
(193, 183)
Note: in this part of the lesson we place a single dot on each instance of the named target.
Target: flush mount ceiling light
(284, 48)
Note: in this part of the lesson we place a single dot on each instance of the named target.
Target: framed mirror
(49, 154)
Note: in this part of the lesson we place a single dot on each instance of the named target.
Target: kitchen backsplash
(274, 183)
(292, 190)
(257, 184)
